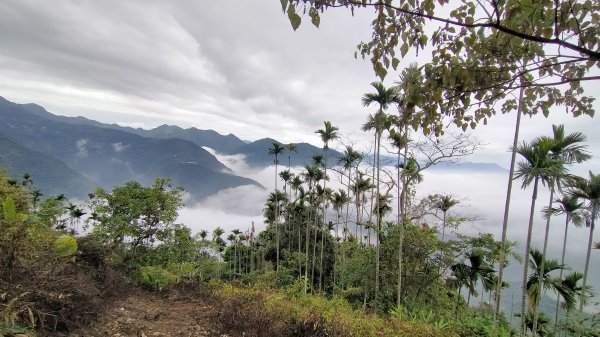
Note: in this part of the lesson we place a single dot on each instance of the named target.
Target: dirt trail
(150, 315)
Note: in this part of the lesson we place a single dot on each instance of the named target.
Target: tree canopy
(481, 52)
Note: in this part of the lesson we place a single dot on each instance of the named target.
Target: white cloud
(119, 147)
(82, 151)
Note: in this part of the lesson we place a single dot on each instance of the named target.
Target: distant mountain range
(60, 152)
(74, 155)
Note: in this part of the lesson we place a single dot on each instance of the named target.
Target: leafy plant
(64, 245)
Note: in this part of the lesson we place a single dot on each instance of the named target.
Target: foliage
(480, 53)
(64, 245)
(481, 326)
(135, 214)
(277, 313)
(155, 277)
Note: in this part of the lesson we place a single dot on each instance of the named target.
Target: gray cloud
(236, 67)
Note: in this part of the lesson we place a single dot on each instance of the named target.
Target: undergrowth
(259, 312)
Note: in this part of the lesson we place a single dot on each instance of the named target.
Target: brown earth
(144, 314)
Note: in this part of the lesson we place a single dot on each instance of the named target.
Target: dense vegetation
(340, 260)
(346, 260)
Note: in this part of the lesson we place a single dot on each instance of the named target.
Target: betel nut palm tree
(589, 191)
(572, 209)
(570, 149)
(379, 123)
(538, 165)
(276, 149)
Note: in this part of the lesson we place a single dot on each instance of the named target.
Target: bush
(153, 277)
(267, 312)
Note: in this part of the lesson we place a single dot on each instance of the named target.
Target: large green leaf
(10, 213)
(64, 245)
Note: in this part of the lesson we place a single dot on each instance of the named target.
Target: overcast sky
(232, 66)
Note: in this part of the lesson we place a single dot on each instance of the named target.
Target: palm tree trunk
(541, 271)
(444, 227)
(314, 256)
(562, 262)
(401, 222)
(526, 262)
(276, 216)
(378, 225)
(398, 220)
(307, 240)
(348, 203)
(506, 209)
(587, 258)
(324, 220)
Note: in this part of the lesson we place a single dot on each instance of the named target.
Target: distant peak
(169, 127)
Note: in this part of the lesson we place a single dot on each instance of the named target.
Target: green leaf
(314, 16)
(295, 20)
(395, 63)
(404, 49)
(380, 70)
(64, 245)
(10, 212)
(284, 4)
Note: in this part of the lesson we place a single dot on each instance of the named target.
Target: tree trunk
(401, 222)
(324, 222)
(542, 264)
(526, 262)
(506, 210)
(562, 262)
(587, 258)
(378, 225)
(276, 216)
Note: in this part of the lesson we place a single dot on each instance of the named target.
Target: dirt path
(148, 315)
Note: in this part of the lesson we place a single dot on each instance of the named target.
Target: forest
(348, 248)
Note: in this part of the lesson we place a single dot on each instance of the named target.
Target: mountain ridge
(112, 156)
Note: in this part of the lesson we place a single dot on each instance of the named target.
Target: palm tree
(469, 274)
(291, 147)
(361, 186)
(236, 233)
(349, 158)
(275, 150)
(339, 199)
(542, 279)
(572, 209)
(538, 165)
(378, 122)
(588, 190)
(502, 258)
(573, 290)
(327, 134)
(286, 176)
(217, 232)
(444, 204)
(570, 149)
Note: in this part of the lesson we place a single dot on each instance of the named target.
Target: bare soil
(144, 314)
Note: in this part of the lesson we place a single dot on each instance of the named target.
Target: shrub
(268, 312)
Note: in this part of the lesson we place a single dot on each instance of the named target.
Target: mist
(482, 196)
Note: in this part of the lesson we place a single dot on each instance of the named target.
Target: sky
(237, 67)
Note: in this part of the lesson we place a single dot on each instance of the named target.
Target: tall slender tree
(537, 165)
(444, 204)
(276, 149)
(379, 123)
(570, 149)
(572, 209)
(348, 160)
(588, 190)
